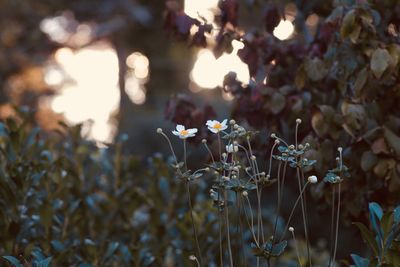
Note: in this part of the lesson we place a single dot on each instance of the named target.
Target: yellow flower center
(217, 126)
(184, 132)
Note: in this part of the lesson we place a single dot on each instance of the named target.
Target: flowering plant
(236, 174)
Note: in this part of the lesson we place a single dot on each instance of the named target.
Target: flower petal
(209, 123)
(192, 131)
(176, 133)
(180, 127)
(224, 122)
(213, 129)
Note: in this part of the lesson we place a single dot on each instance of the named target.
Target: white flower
(184, 133)
(216, 126)
(232, 148)
(313, 179)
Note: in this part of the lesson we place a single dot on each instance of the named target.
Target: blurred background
(110, 65)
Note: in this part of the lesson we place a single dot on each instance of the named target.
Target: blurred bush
(64, 198)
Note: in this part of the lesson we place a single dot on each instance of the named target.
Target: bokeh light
(201, 9)
(284, 30)
(208, 72)
(90, 93)
(136, 77)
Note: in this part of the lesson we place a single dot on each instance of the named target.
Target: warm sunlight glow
(91, 93)
(284, 30)
(201, 8)
(209, 72)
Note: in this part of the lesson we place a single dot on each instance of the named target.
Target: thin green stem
(292, 212)
(193, 223)
(303, 211)
(337, 224)
(221, 255)
(170, 146)
(184, 154)
(241, 229)
(297, 248)
(332, 225)
(228, 236)
(251, 225)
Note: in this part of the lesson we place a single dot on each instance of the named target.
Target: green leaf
(386, 223)
(348, 24)
(375, 215)
(279, 248)
(112, 247)
(396, 214)
(44, 263)
(359, 261)
(393, 140)
(380, 61)
(362, 78)
(368, 237)
(315, 69)
(368, 160)
(14, 261)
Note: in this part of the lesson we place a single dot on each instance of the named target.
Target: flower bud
(192, 257)
(245, 194)
(253, 157)
(291, 147)
(232, 122)
(159, 130)
(291, 229)
(277, 141)
(298, 121)
(313, 179)
(204, 141)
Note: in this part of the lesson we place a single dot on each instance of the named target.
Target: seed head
(313, 179)
(291, 229)
(277, 141)
(204, 141)
(298, 121)
(192, 257)
(340, 149)
(273, 135)
(232, 122)
(253, 157)
(291, 147)
(159, 130)
(245, 194)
